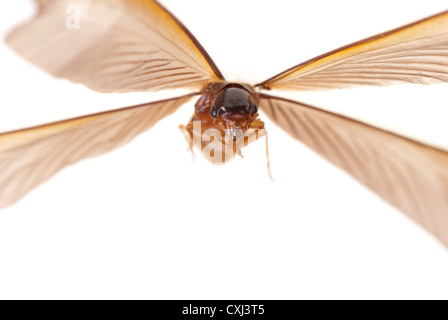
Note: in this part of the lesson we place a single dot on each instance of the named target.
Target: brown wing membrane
(31, 156)
(411, 176)
(416, 53)
(114, 46)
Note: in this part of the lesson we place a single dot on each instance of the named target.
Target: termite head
(234, 108)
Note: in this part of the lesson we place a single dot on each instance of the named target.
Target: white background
(146, 222)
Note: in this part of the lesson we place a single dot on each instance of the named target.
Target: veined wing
(29, 157)
(114, 45)
(415, 53)
(410, 175)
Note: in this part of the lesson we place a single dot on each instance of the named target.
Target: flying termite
(139, 46)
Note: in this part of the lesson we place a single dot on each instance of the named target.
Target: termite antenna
(268, 162)
(189, 137)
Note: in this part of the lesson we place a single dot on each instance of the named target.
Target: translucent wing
(114, 45)
(416, 53)
(31, 156)
(411, 176)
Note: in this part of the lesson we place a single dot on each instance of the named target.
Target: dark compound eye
(254, 109)
(213, 113)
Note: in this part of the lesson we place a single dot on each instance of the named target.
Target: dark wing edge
(195, 41)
